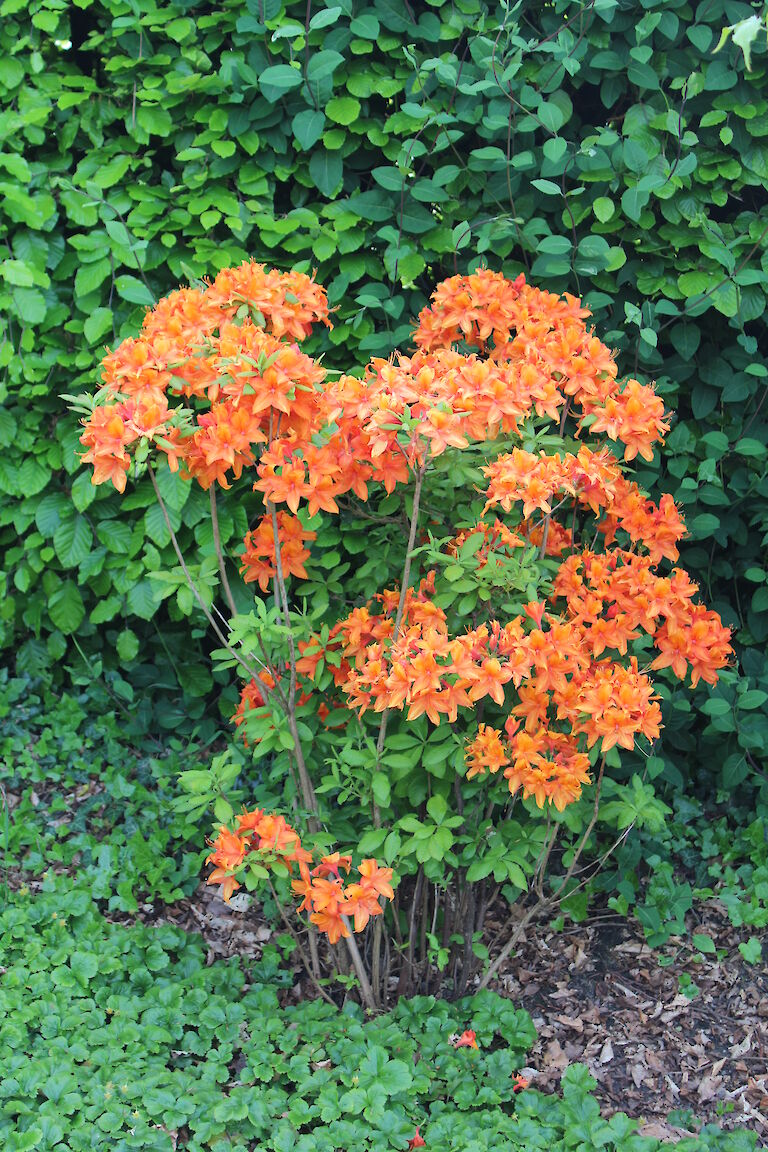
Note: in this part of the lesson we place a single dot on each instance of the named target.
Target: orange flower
(330, 865)
(416, 1140)
(259, 558)
(466, 1040)
(376, 878)
(520, 1082)
(486, 752)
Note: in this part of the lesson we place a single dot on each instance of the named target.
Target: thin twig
(294, 935)
(219, 554)
(193, 587)
(399, 619)
(308, 792)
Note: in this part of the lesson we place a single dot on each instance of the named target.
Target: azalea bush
(462, 594)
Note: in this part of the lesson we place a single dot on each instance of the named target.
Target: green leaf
(633, 201)
(97, 324)
(106, 610)
(66, 608)
(278, 79)
(548, 187)
(127, 645)
(704, 943)
(326, 170)
(112, 172)
(751, 950)
(380, 786)
(394, 1077)
(749, 447)
(324, 18)
(308, 127)
(18, 273)
(155, 120)
(685, 339)
(84, 965)
(366, 26)
(694, 283)
(437, 808)
(343, 109)
(603, 208)
(141, 600)
(134, 290)
(72, 541)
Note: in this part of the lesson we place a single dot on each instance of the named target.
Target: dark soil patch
(597, 994)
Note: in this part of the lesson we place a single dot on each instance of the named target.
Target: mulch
(598, 994)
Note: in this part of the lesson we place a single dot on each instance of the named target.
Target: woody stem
(307, 791)
(587, 833)
(357, 962)
(376, 961)
(399, 619)
(313, 970)
(542, 904)
(219, 553)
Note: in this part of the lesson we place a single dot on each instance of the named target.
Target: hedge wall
(603, 148)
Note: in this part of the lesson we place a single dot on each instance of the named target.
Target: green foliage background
(602, 148)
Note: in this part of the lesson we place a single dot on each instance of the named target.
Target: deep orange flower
(466, 1040)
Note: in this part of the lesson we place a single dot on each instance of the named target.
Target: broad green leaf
(66, 608)
(72, 541)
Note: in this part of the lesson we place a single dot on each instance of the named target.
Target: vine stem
(219, 553)
(357, 962)
(399, 619)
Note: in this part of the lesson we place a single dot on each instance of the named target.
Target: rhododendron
(503, 647)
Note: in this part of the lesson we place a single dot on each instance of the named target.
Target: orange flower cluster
(592, 480)
(538, 332)
(253, 695)
(199, 344)
(289, 302)
(545, 764)
(267, 839)
(615, 596)
(259, 559)
(552, 667)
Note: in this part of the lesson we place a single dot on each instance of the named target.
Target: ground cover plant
(508, 645)
(125, 1035)
(82, 795)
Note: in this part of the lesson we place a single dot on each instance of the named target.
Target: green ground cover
(121, 1035)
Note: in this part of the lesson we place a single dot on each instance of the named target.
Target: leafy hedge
(604, 148)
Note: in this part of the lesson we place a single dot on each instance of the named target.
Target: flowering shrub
(520, 611)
